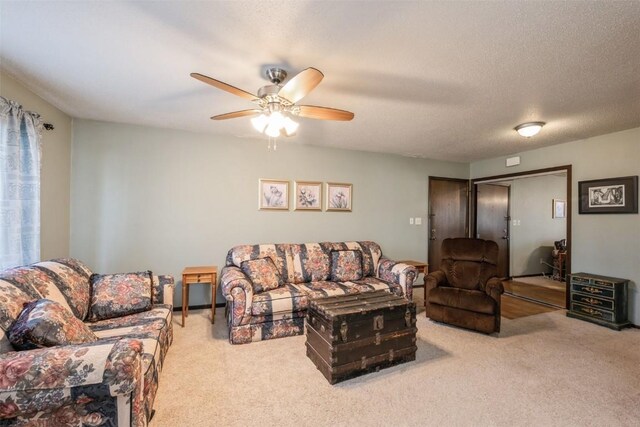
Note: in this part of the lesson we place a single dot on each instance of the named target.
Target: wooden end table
(205, 274)
(423, 268)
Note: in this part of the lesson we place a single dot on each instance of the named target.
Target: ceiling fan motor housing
(276, 75)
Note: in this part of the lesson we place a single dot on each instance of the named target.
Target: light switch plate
(418, 221)
(411, 221)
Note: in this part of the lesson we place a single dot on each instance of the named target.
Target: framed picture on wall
(308, 196)
(273, 194)
(559, 209)
(611, 195)
(339, 197)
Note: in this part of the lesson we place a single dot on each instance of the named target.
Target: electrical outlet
(411, 221)
(418, 221)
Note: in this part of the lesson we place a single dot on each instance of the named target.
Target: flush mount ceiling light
(529, 129)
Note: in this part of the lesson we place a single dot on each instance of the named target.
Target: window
(19, 185)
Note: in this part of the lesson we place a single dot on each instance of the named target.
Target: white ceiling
(443, 80)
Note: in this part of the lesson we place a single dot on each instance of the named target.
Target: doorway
(448, 214)
(521, 212)
(493, 218)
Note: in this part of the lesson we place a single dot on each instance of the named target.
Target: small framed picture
(339, 196)
(273, 194)
(308, 196)
(608, 196)
(559, 209)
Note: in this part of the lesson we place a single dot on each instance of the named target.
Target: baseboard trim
(528, 275)
(199, 307)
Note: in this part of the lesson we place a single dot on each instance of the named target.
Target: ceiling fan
(276, 102)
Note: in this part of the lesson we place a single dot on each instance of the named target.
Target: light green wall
(149, 198)
(602, 244)
(533, 237)
(56, 168)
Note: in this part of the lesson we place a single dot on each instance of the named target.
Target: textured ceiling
(443, 80)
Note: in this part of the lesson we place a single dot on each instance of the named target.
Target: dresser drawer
(603, 283)
(592, 301)
(578, 279)
(593, 312)
(199, 278)
(592, 290)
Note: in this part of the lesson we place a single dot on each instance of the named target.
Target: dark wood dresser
(599, 299)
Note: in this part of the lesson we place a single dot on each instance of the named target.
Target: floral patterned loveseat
(304, 272)
(111, 381)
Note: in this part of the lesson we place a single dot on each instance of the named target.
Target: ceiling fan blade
(301, 84)
(235, 114)
(221, 85)
(324, 113)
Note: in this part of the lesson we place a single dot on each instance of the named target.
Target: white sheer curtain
(19, 185)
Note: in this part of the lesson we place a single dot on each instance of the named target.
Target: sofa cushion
(309, 263)
(346, 265)
(286, 299)
(115, 295)
(326, 289)
(368, 284)
(16, 289)
(67, 283)
(45, 323)
(465, 299)
(263, 274)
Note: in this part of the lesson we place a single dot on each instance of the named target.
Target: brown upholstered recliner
(465, 291)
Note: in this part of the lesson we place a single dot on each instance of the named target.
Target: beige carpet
(542, 370)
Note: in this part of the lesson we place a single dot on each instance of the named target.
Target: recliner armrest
(494, 288)
(435, 279)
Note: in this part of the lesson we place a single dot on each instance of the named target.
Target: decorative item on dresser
(206, 274)
(599, 299)
(353, 335)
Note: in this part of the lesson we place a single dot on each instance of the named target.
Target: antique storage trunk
(352, 335)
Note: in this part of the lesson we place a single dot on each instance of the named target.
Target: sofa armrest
(163, 289)
(399, 273)
(494, 288)
(237, 290)
(43, 381)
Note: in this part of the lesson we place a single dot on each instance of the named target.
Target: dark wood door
(448, 214)
(492, 220)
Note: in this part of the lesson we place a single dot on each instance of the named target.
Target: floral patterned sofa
(111, 381)
(302, 272)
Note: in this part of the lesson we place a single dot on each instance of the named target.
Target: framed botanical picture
(308, 196)
(339, 196)
(273, 194)
(559, 209)
(611, 195)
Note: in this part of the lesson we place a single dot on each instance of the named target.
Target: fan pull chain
(273, 144)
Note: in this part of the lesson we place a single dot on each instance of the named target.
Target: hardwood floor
(537, 288)
(515, 308)
(521, 294)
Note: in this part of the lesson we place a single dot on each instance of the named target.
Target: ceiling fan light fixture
(529, 129)
(272, 130)
(290, 127)
(260, 123)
